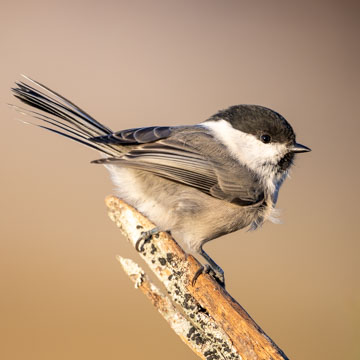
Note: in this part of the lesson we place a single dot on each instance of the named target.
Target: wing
(178, 154)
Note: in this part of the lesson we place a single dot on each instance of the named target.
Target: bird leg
(210, 268)
(145, 237)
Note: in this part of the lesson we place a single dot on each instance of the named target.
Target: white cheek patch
(248, 150)
(245, 147)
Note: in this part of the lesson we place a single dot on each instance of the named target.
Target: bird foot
(217, 274)
(145, 238)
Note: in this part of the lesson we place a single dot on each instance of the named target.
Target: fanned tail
(65, 118)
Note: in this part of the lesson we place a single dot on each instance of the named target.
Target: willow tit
(199, 182)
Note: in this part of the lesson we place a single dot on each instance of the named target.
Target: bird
(198, 182)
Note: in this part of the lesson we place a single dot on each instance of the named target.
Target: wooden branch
(177, 321)
(214, 325)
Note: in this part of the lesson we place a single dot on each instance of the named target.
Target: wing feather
(136, 136)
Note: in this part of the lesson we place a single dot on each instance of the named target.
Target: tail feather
(62, 103)
(66, 118)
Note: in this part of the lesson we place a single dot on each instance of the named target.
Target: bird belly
(192, 217)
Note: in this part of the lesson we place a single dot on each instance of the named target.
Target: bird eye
(265, 138)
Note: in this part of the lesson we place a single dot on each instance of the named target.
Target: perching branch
(213, 324)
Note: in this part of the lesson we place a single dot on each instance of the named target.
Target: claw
(203, 269)
(207, 269)
(211, 268)
(145, 238)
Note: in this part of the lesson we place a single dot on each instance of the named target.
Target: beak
(298, 148)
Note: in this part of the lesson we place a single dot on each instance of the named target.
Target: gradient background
(139, 63)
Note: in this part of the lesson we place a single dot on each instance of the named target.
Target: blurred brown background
(138, 63)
